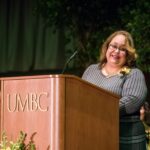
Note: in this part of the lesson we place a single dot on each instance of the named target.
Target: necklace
(109, 74)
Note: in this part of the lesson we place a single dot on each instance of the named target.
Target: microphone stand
(70, 58)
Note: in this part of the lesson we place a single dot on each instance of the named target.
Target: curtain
(26, 44)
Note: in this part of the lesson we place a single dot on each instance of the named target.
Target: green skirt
(132, 134)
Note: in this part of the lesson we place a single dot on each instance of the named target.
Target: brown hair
(131, 52)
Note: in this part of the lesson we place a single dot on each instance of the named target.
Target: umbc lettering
(30, 102)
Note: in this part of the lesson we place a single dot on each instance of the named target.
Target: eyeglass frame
(114, 47)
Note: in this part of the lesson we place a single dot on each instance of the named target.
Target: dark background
(38, 36)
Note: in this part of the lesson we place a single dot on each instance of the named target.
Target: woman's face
(142, 113)
(116, 53)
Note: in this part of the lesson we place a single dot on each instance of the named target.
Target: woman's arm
(134, 92)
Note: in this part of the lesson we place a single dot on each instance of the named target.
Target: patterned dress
(132, 90)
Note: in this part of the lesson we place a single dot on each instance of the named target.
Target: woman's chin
(115, 62)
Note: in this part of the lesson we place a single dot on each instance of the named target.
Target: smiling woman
(117, 73)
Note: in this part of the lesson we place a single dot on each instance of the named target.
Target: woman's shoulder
(94, 66)
(91, 68)
(136, 71)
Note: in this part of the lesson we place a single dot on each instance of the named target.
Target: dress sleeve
(134, 92)
(86, 73)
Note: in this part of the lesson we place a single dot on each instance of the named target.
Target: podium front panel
(32, 105)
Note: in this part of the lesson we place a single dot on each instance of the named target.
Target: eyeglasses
(114, 47)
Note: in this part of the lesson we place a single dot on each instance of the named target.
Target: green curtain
(26, 44)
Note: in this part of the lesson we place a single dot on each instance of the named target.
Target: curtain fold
(26, 44)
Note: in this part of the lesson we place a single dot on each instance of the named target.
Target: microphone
(70, 58)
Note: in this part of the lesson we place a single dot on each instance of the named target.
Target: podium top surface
(56, 76)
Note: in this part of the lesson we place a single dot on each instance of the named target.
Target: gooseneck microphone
(68, 61)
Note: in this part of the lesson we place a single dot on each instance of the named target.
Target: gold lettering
(22, 104)
(39, 101)
(33, 100)
(9, 104)
(30, 102)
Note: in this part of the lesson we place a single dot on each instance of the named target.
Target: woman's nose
(117, 50)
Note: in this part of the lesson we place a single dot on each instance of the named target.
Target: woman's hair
(129, 46)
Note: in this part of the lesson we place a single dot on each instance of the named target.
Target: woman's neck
(109, 70)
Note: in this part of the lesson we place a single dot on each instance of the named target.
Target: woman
(117, 73)
(145, 117)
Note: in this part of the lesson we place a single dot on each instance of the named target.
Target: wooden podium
(65, 112)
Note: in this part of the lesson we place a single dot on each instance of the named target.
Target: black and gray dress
(132, 90)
